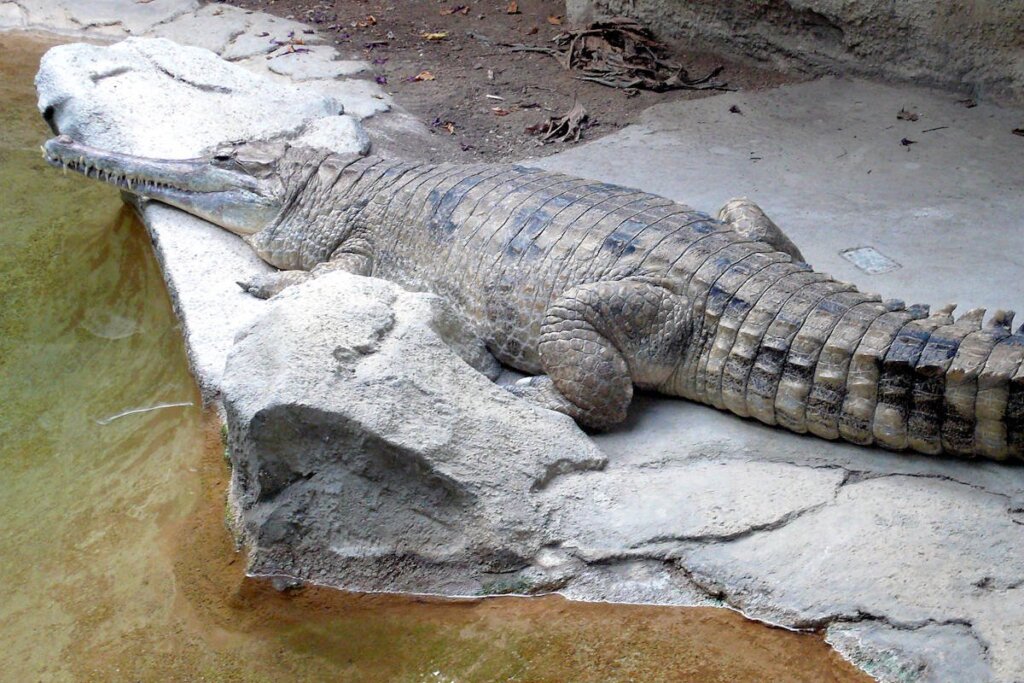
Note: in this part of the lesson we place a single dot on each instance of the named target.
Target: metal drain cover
(870, 260)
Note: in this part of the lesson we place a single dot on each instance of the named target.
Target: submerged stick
(135, 411)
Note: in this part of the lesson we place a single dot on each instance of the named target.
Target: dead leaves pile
(620, 53)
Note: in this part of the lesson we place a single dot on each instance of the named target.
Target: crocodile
(595, 289)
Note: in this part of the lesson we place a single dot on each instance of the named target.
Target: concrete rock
(825, 161)
(643, 508)
(111, 18)
(212, 27)
(368, 454)
(950, 652)
(11, 16)
(326, 132)
(903, 551)
(313, 62)
(130, 96)
(264, 33)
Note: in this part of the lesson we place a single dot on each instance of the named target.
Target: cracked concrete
(635, 508)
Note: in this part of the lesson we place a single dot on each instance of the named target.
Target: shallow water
(114, 560)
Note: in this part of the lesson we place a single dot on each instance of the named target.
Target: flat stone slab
(907, 552)
(113, 19)
(311, 63)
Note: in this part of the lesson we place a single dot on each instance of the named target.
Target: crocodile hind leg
(599, 339)
(749, 220)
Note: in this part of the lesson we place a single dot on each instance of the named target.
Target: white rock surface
(639, 508)
(213, 27)
(11, 16)
(291, 52)
(903, 551)
(305, 63)
(111, 18)
(368, 454)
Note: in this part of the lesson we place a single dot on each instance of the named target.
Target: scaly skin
(598, 288)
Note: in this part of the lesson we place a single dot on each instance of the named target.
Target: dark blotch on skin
(438, 227)
(523, 245)
(739, 305)
(833, 306)
(939, 350)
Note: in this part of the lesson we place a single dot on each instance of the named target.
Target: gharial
(598, 288)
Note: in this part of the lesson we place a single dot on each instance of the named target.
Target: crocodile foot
(541, 391)
(749, 220)
(266, 285)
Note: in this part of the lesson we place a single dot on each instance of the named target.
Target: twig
(135, 411)
(532, 48)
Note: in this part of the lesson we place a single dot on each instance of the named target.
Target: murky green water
(85, 333)
(114, 561)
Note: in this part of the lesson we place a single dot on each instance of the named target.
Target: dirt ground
(482, 95)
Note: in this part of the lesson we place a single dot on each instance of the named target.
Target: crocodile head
(243, 187)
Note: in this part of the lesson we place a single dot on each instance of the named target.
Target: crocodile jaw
(229, 198)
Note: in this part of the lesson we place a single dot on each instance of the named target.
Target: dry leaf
(423, 76)
(555, 20)
(513, 7)
(457, 9)
(532, 31)
(440, 35)
(369, 21)
(907, 115)
(450, 127)
(498, 111)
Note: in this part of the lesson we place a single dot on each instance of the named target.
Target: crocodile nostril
(48, 117)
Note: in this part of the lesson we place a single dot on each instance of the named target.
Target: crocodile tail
(907, 378)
